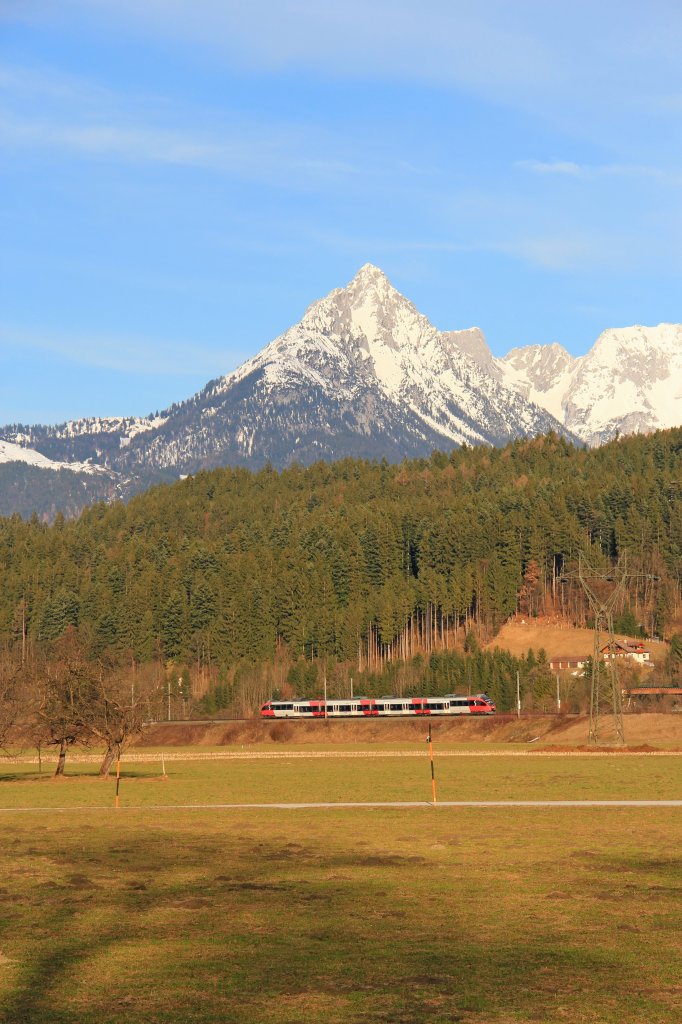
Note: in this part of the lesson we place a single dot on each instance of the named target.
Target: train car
(380, 707)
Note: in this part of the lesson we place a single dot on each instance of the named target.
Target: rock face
(629, 382)
(365, 374)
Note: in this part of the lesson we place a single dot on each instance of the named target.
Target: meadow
(158, 913)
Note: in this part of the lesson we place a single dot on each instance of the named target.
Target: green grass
(299, 780)
(343, 916)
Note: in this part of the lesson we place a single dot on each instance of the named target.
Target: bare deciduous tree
(64, 688)
(120, 700)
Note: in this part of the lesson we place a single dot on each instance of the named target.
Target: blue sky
(178, 181)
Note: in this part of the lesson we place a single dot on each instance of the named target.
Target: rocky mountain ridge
(364, 373)
(629, 382)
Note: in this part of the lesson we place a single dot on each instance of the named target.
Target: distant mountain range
(363, 374)
(630, 382)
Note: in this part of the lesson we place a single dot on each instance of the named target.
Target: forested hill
(346, 559)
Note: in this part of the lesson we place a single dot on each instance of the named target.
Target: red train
(379, 707)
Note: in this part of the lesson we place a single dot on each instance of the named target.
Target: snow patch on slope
(10, 452)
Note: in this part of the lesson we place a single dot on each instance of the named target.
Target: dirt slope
(652, 729)
(557, 640)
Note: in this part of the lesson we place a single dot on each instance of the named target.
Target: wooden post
(118, 778)
(433, 774)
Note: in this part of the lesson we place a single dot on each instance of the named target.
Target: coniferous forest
(362, 568)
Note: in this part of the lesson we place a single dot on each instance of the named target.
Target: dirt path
(137, 757)
(341, 805)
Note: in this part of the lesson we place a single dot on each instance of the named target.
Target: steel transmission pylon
(605, 690)
(604, 664)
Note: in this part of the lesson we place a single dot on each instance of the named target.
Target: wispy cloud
(560, 250)
(92, 121)
(441, 40)
(124, 353)
(554, 252)
(612, 53)
(552, 167)
(255, 158)
(569, 168)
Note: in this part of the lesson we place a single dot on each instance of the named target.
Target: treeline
(354, 562)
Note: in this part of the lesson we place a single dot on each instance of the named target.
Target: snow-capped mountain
(364, 373)
(539, 373)
(380, 376)
(629, 382)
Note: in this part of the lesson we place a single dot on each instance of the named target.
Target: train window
(396, 707)
(345, 708)
(436, 707)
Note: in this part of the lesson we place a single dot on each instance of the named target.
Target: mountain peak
(371, 284)
(369, 274)
(368, 311)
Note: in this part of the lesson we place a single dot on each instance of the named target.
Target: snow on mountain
(365, 374)
(10, 452)
(539, 373)
(629, 382)
(125, 427)
(472, 342)
(368, 336)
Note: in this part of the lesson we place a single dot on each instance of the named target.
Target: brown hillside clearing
(558, 640)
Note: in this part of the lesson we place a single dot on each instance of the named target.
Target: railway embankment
(566, 731)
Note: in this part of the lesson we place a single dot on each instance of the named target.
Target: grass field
(336, 779)
(377, 915)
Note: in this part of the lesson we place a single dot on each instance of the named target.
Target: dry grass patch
(558, 640)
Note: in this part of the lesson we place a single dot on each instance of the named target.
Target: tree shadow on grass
(244, 928)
